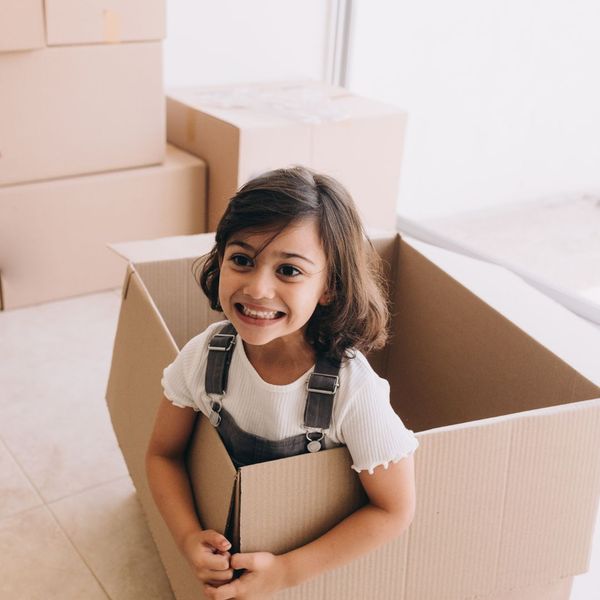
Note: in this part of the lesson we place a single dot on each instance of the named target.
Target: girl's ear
(325, 298)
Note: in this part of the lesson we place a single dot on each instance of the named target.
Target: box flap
(143, 347)
(453, 359)
(213, 478)
(570, 337)
(275, 515)
(166, 248)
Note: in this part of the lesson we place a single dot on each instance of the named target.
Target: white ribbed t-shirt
(362, 418)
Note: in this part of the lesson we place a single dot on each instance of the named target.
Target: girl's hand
(207, 552)
(265, 574)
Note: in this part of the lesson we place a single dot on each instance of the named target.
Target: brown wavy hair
(357, 314)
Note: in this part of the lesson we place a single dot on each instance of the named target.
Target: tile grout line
(76, 549)
(48, 510)
(86, 489)
(43, 501)
(25, 474)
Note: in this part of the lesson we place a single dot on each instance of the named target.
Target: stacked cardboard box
(499, 383)
(243, 130)
(82, 93)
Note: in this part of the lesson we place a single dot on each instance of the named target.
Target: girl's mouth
(259, 315)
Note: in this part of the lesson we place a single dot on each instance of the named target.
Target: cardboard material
(21, 25)
(104, 21)
(241, 132)
(53, 234)
(508, 472)
(77, 110)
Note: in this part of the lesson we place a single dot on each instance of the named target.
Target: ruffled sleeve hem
(181, 404)
(385, 463)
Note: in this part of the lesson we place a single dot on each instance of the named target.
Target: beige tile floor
(70, 524)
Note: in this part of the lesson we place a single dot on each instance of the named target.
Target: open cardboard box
(508, 469)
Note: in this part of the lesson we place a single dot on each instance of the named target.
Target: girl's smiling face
(272, 295)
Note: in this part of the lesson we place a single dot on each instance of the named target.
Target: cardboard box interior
(53, 234)
(84, 109)
(242, 132)
(508, 473)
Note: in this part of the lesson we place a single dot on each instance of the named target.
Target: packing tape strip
(112, 26)
(305, 103)
(574, 302)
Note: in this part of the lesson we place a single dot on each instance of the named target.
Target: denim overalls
(245, 448)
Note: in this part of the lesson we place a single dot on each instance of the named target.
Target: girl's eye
(240, 260)
(289, 271)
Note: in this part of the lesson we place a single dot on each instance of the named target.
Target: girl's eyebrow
(250, 248)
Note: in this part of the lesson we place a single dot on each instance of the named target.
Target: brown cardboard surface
(104, 21)
(527, 308)
(21, 25)
(143, 347)
(212, 482)
(84, 109)
(51, 230)
(430, 308)
(361, 146)
(555, 590)
(508, 473)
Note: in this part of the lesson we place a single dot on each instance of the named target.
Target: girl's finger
(224, 592)
(221, 576)
(215, 562)
(217, 541)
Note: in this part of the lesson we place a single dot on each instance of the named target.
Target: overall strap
(220, 352)
(322, 387)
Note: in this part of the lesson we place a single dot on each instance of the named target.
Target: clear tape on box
(302, 103)
(575, 302)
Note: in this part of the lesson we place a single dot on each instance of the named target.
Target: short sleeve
(175, 383)
(183, 380)
(372, 431)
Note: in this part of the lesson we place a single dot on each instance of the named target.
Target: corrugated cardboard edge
(213, 481)
(1, 294)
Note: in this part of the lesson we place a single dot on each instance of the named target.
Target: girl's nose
(259, 285)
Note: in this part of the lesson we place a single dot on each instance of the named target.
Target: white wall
(503, 97)
(240, 41)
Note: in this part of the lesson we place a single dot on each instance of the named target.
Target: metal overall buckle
(215, 411)
(314, 437)
(228, 338)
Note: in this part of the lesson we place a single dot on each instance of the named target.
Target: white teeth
(256, 314)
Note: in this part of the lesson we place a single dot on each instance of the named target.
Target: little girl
(301, 290)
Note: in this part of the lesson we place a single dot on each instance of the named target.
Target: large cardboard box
(74, 110)
(53, 234)
(243, 131)
(498, 382)
(21, 25)
(104, 21)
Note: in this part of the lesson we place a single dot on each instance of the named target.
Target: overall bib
(245, 448)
